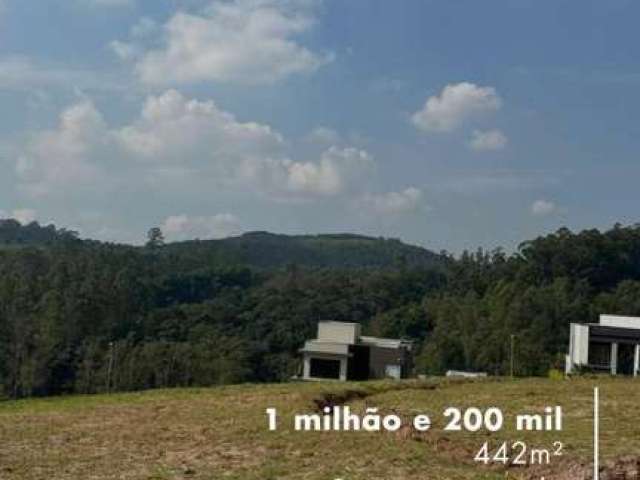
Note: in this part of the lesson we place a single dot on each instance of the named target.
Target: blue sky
(448, 124)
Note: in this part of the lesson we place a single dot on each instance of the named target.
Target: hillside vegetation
(267, 250)
(262, 250)
(205, 434)
(79, 316)
(13, 233)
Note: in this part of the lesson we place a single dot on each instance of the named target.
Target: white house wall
(339, 332)
(619, 321)
(306, 368)
(579, 348)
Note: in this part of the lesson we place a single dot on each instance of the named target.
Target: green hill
(14, 234)
(262, 250)
(269, 250)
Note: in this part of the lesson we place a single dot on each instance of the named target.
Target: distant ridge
(338, 250)
(13, 233)
(258, 249)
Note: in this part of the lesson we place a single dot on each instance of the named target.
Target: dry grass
(221, 433)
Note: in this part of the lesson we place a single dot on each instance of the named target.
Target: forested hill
(261, 250)
(268, 250)
(13, 233)
(79, 316)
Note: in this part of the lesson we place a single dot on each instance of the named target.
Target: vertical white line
(596, 433)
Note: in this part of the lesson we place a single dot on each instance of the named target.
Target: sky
(452, 125)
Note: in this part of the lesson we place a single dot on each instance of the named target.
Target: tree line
(85, 317)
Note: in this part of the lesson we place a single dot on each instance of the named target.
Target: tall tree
(155, 238)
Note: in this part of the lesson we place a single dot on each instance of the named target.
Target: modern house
(341, 353)
(612, 345)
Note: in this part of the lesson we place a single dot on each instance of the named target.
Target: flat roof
(321, 344)
(383, 342)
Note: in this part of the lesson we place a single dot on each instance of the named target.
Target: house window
(600, 354)
(323, 368)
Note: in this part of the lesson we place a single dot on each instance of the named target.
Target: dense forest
(80, 316)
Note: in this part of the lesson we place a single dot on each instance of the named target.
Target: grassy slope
(221, 432)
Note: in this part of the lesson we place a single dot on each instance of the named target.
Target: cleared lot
(222, 432)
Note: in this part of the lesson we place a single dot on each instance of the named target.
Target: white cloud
(246, 41)
(408, 200)
(488, 140)
(542, 208)
(337, 169)
(176, 143)
(124, 50)
(185, 227)
(174, 129)
(22, 215)
(455, 104)
(145, 27)
(59, 158)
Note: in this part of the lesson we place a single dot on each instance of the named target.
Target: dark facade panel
(600, 354)
(358, 365)
(613, 334)
(381, 357)
(324, 368)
